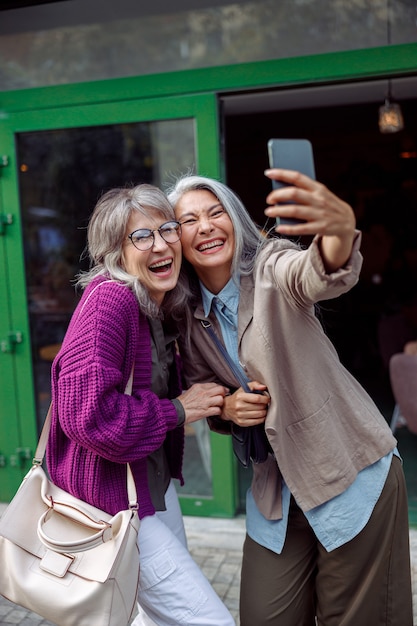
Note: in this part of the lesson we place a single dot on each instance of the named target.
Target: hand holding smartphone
(291, 154)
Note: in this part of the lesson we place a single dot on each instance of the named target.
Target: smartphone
(291, 154)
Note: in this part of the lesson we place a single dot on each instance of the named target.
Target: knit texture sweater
(96, 428)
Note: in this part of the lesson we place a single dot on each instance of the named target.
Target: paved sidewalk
(216, 545)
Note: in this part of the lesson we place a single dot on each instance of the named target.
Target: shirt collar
(229, 296)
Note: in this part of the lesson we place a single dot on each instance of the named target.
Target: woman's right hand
(247, 409)
(202, 400)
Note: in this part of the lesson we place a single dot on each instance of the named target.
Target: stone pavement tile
(12, 614)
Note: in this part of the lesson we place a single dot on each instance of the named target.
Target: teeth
(212, 244)
(159, 264)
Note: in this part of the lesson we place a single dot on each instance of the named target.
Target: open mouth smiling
(216, 243)
(161, 266)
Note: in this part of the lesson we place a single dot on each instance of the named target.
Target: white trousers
(173, 591)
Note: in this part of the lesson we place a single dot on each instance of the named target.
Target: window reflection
(62, 174)
(237, 32)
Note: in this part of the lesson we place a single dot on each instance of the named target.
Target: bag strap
(43, 440)
(232, 365)
(103, 282)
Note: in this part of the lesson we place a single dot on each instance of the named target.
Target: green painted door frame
(19, 428)
(192, 93)
(17, 412)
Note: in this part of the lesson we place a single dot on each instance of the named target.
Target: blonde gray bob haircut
(107, 232)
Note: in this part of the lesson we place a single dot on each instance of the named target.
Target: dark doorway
(377, 174)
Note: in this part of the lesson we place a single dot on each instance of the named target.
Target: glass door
(64, 160)
(62, 173)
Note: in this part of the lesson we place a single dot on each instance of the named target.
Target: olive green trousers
(366, 582)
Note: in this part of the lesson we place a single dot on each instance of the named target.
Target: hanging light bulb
(390, 115)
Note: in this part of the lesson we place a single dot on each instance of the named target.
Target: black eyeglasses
(144, 238)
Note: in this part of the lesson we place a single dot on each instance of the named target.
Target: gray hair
(105, 236)
(248, 237)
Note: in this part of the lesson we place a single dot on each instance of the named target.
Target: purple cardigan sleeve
(107, 335)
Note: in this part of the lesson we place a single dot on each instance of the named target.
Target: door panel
(62, 172)
(16, 451)
(65, 159)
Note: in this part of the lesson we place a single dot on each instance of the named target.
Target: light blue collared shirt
(335, 522)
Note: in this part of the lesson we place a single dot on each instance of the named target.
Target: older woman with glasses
(135, 250)
(327, 518)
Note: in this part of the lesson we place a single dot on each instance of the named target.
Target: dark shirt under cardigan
(163, 347)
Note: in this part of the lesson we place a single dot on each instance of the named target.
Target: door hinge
(4, 161)
(12, 339)
(21, 456)
(5, 220)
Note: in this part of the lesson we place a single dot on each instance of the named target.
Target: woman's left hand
(247, 408)
(323, 213)
(202, 400)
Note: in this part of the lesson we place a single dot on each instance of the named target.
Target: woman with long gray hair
(326, 514)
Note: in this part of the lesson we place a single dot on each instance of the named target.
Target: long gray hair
(106, 234)
(248, 238)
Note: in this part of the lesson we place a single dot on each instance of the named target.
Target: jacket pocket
(320, 445)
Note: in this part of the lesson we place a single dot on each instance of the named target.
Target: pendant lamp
(390, 115)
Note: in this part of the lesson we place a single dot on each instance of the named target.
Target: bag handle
(43, 440)
(101, 530)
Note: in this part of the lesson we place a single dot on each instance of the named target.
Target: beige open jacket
(322, 425)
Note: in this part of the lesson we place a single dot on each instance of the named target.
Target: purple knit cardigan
(97, 428)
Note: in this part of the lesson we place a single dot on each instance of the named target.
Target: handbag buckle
(56, 563)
